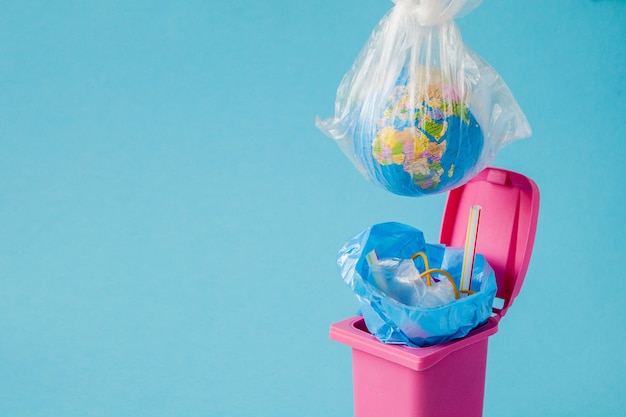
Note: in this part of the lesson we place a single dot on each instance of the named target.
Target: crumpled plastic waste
(400, 309)
(401, 280)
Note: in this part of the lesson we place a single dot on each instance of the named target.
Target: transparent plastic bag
(388, 302)
(401, 280)
(419, 113)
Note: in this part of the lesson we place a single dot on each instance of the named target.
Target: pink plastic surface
(438, 381)
(448, 379)
(508, 221)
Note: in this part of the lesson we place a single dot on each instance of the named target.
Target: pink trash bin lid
(508, 221)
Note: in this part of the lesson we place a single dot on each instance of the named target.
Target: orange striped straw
(470, 249)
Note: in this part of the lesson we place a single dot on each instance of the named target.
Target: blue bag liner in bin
(396, 323)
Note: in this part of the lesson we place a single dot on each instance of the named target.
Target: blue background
(170, 215)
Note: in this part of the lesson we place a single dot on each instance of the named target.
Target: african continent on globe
(426, 140)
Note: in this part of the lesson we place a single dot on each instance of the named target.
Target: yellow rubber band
(447, 275)
(425, 259)
(437, 271)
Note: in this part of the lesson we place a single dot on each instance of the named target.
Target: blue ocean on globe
(426, 140)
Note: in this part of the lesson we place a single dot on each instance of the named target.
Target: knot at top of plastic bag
(437, 12)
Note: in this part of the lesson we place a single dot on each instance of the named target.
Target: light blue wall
(169, 214)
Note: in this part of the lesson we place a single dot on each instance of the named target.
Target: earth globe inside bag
(426, 140)
(419, 113)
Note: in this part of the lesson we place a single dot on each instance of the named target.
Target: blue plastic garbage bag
(395, 322)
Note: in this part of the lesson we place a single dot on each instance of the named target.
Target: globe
(425, 141)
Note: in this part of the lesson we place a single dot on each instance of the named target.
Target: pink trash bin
(448, 380)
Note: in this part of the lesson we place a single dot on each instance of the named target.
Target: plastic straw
(372, 261)
(470, 249)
